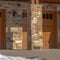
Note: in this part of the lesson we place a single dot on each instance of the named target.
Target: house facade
(29, 26)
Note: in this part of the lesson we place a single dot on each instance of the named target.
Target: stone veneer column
(36, 26)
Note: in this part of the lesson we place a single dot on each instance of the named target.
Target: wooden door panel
(24, 25)
(50, 30)
(47, 23)
(24, 41)
(25, 33)
(46, 45)
(2, 28)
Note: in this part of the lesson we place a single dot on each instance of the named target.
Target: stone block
(40, 33)
(17, 36)
(17, 46)
(37, 43)
(16, 29)
(14, 46)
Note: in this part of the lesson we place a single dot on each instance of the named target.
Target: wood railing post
(33, 1)
(37, 1)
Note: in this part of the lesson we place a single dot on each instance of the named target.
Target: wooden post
(2, 29)
(33, 1)
(25, 33)
(37, 1)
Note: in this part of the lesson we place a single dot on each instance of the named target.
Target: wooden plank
(24, 41)
(24, 25)
(49, 1)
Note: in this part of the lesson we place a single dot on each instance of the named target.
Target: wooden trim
(3, 29)
(56, 31)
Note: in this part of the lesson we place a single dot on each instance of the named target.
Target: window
(18, 4)
(50, 16)
(0, 14)
(47, 16)
(14, 13)
(24, 13)
(43, 16)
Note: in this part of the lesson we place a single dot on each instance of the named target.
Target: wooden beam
(49, 1)
(40, 1)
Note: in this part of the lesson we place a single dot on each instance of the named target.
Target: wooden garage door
(50, 29)
(2, 29)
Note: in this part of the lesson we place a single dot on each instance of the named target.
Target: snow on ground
(3, 57)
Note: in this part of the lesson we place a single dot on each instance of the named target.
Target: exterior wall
(14, 23)
(49, 6)
(14, 28)
(37, 26)
(54, 7)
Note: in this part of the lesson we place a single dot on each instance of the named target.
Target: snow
(4, 57)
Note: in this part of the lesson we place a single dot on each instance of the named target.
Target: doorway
(2, 28)
(50, 38)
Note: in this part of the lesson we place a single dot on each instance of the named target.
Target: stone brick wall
(13, 22)
(14, 19)
(49, 6)
(36, 26)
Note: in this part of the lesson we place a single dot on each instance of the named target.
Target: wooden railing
(40, 1)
